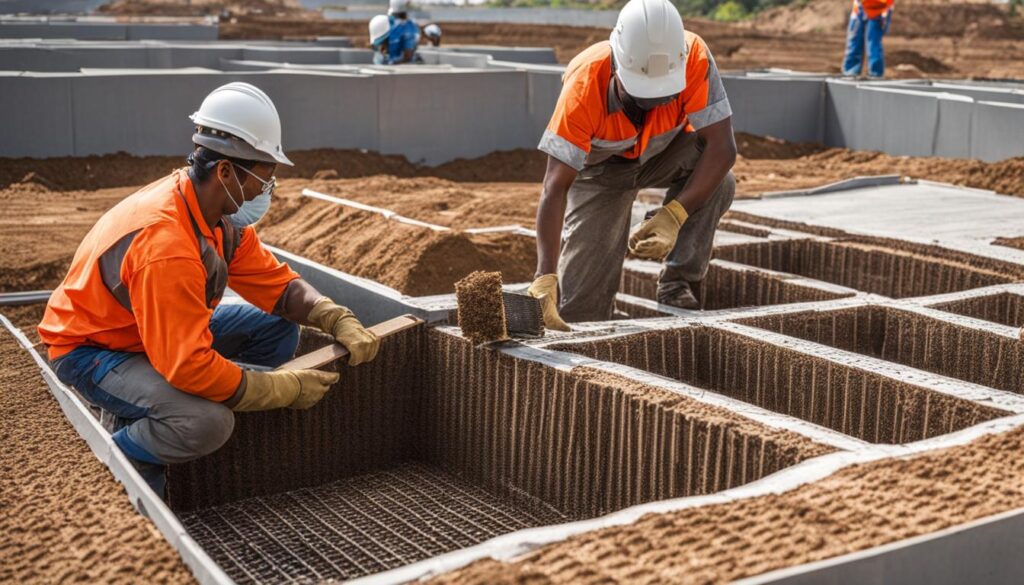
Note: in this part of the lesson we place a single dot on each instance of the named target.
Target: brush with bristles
(487, 313)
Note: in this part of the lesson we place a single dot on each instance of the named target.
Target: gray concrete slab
(997, 131)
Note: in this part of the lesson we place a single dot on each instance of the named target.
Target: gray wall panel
(37, 116)
(791, 109)
(997, 131)
(953, 134)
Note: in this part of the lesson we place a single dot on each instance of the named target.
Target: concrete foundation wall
(792, 109)
(543, 16)
(104, 31)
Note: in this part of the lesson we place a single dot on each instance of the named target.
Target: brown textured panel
(911, 339)
(585, 442)
(366, 421)
(1005, 308)
(727, 288)
(862, 404)
(867, 267)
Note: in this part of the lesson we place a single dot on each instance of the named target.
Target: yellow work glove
(284, 388)
(338, 321)
(545, 288)
(656, 236)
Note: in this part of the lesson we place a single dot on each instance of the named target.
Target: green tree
(729, 11)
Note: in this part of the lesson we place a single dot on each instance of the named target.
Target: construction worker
(403, 36)
(645, 109)
(869, 20)
(137, 327)
(433, 34)
(380, 28)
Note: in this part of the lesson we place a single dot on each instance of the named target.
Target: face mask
(250, 212)
(648, 104)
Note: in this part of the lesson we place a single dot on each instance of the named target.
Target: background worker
(646, 109)
(402, 36)
(380, 28)
(869, 20)
(136, 326)
(433, 34)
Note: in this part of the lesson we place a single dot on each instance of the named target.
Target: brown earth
(49, 204)
(64, 516)
(481, 315)
(859, 507)
(414, 260)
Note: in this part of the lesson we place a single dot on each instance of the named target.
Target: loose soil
(65, 518)
(26, 318)
(854, 509)
(416, 261)
(481, 310)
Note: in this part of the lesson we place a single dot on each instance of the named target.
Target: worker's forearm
(550, 214)
(716, 161)
(297, 301)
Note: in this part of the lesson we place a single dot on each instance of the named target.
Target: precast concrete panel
(176, 32)
(64, 30)
(791, 109)
(841, 103)
(953, 132)
(997, 131)
(438, 57)
(351, 56)
(896, 121)
(530, 55)
(303, 56)
(37, 118)
(437, 118)
(544, 88)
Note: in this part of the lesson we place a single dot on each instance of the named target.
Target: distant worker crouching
(869, 21)
(402, 37)
(433, 34)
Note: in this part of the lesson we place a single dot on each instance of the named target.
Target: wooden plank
(335, 351)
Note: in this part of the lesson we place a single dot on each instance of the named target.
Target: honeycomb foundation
(438, 445)
(1004, 308)
(853, 401)
(726, 287)
(912, 339)
(867, 267)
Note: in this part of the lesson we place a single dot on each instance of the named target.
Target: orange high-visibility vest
(147, 277)
(873, 8)
(589, 126)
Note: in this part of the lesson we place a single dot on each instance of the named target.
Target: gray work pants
(596, 229)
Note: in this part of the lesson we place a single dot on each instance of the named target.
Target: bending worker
(136, 326)
(646, 109)
(433, 34)
(869, 21)
(402, 38)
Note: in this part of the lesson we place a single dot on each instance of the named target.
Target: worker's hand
(545, 288)
(284, 388)
(338, 321)
(656, 236)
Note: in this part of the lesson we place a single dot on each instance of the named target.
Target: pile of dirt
(65, 517)
(857, 508)
(414, 260)
(767, 164)
(26, 318)
(435, 200)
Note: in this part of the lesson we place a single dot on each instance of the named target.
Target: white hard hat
(397, 6)
(432, 30)
(240, 121)
(379, 27)
(649, 47)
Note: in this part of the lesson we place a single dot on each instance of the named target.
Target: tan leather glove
(545, 288)
(284, 388)
(656, 236)
(333, 319)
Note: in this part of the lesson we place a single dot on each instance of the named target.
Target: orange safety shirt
(139, 282)
(589, 124)
(873, 8)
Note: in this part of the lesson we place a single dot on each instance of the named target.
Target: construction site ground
(66, 518)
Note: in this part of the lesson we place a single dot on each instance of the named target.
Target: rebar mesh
(355, 526)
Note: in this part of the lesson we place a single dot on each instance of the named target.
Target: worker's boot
(677, 294)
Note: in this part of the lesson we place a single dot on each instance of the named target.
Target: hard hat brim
(238, 148)
(644, 87)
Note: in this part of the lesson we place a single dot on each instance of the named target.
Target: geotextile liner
(856, 402)
(438, 445)
(727, 288)
(911, 339)
(1004, 308)
(892, 272)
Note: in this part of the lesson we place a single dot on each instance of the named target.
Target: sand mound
(414, 260)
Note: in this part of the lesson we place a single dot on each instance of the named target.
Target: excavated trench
(438, 445)
(853, 401)
(866, 267)
(726, 287)
(1004, 308)
(911, 339)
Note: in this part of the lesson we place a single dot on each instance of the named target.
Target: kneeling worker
(136, 327)
(646, 109)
